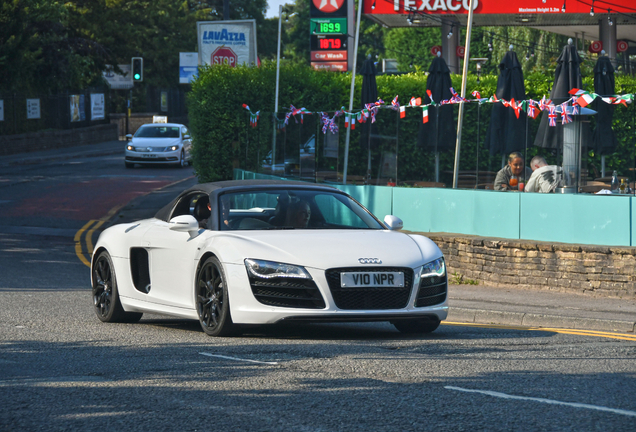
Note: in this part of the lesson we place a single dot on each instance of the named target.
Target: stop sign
(224, 55)
(460, 50)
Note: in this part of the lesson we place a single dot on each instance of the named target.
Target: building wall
(51, 139)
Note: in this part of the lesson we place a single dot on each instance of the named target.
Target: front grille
(286, 292)
(370, 298)
(432, 291)
(154, 159)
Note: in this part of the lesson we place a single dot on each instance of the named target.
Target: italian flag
(425, 114)
(402, 111)
(584, 98)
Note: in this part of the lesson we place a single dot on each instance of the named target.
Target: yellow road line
(89, 237)
(593, 333)
(78, 243)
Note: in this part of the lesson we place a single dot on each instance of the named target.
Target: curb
(523, 319)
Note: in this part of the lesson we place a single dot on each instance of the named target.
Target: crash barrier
(52, 139)
(565, 218)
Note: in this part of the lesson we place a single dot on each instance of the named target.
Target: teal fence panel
(586, 219)
(378, 199)
(472, 212)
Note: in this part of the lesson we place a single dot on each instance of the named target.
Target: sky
(272, 12)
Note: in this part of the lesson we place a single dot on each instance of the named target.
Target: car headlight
(434, 268)
(172, 148)
(268, 270)
(130, 148)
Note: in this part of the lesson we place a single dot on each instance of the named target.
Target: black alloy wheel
(418, 325)
(105, 295)
(182, 160)
(213, 305)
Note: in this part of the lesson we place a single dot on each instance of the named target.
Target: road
(62, 369)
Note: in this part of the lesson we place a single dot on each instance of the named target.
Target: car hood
(324, 249)
(155, 142)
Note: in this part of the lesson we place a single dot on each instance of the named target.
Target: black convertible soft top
(214, 189)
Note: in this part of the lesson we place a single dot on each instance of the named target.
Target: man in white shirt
(545, 178)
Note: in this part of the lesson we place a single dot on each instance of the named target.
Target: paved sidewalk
(539, 308)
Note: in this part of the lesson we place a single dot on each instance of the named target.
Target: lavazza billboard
(227, 42)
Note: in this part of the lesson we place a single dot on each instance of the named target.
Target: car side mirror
(393, 223)
(186, 137)
(185, 223)
(128, 137)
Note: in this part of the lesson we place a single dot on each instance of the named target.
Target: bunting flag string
(253, 116)
(579, 99)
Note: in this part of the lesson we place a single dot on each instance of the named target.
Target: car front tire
(182, 160)
(105, 294)
(213, 306)
(416, 326)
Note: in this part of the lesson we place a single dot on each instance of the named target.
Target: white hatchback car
(159, 143)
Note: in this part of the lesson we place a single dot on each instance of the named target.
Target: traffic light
(137, 69)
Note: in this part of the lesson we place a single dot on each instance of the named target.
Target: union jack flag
(544, 103)
(552, 115)
(532, 109)
(476, 94)
(565, 117)
(456, 98)
(575, 108)
(395, 104)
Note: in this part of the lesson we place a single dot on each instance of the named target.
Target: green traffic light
(137, 76)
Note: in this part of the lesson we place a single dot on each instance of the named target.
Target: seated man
(298, 214)
(545, 178)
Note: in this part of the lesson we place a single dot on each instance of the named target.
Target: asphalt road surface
(62, 369)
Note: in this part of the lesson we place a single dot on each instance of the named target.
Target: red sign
(224, 55)
(328, 6)
(436, 49)
(331, 66)
(596, 47)
(621, 46)
(460, 51)
(328, 56)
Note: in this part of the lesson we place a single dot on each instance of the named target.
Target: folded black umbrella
(507, 133)
(604, 139)
(567, 76)
(440, 132)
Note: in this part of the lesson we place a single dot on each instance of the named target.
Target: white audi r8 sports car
(159, 143)
(262, 252)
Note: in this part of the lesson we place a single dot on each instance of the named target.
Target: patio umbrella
(604, 138)
(507, 133)
(566, 77)
(440, 132)
(369, 95)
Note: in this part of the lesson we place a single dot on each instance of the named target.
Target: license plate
(149, 156)
(371, 279)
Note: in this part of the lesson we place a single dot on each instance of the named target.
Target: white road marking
(548, 401)
(238, 359)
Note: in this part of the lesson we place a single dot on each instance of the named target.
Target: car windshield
(158, 132)
(292, 209)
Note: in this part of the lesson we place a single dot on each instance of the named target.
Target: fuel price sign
(326, 26)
